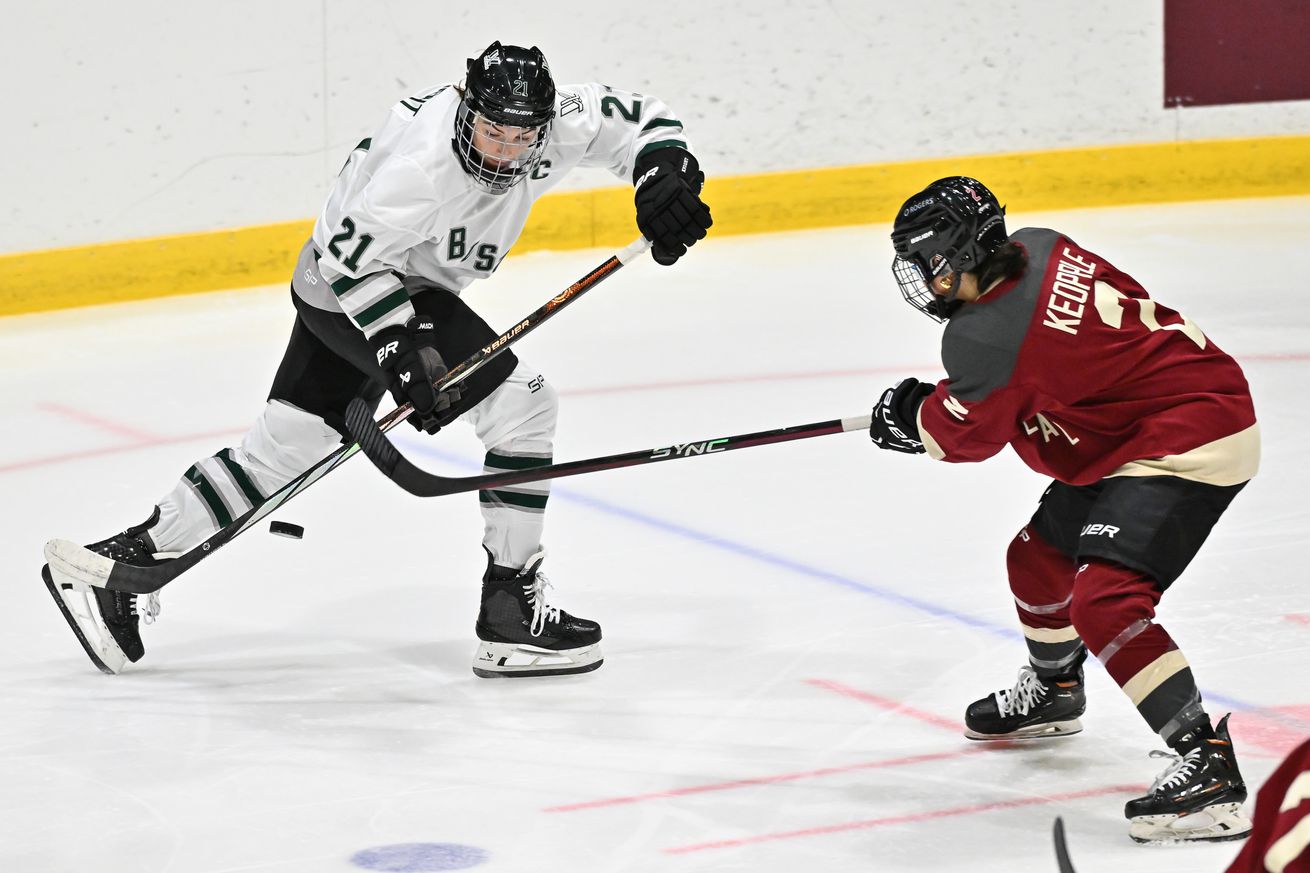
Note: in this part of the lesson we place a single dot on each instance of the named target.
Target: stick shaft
(143, 580)
(665, 453)
(421, 483)
(534, 320)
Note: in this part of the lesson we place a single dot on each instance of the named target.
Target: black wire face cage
(520, 148)
(913, 281)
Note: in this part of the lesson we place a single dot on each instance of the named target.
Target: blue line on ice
(764, 557)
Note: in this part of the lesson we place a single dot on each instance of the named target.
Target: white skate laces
(149, 610)
(1026, 694)
(1178, 772)
(542, 612)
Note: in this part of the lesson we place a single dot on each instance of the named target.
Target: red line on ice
(96, 421)
(114, 450)
(894, 706)
(827, 374)
(909, 818)
(737, 380)
(1277, 729)
(578, 392)
(763, 780)
(1299, 619)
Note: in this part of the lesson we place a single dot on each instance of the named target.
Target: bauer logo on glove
(894, 416)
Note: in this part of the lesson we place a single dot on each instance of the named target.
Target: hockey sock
(516, 424)
(1113, 607)
(513, 515)
(281, 444)
(1041, 579)
(1190, 736)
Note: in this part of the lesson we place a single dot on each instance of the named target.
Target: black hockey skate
(1198, 797)
(107, 623)
(1034, 708)
(521, 635)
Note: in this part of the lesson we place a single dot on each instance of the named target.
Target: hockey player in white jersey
(433, 200)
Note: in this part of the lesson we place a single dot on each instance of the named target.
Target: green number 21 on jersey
(347, 232)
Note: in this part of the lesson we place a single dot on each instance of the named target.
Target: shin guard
(1041, 579)
(1113, 609)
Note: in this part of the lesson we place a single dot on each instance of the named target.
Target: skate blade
(506, 660)
(75, 604)
(1032, 732)
(1216, 823)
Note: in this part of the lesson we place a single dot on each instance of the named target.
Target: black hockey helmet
(509, 101)
(953, 225)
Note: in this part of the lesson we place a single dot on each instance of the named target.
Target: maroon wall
(1236, 51)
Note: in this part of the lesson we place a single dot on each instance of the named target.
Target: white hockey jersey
(403, 204)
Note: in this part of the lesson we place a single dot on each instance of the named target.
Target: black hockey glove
(670, 212)
(409, 356)
(895, 415)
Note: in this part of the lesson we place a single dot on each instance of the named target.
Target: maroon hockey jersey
(1073, 365)
(1280, 837)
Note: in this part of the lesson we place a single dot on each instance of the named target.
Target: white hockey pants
(516, 424)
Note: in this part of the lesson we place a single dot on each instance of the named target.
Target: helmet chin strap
(947, 308)
(947, 304)
(950, 284)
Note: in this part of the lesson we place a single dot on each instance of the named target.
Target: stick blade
(78, 565)
(1062, 848)
(83, 568)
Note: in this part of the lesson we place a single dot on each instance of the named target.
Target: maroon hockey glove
(409, 357)
(670, 212)
(895, 415)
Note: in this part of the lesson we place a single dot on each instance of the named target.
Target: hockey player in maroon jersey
(1147, 429)
(1280, 839)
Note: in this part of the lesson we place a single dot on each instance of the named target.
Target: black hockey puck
(286, 529)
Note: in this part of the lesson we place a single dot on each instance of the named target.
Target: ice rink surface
(791, 632)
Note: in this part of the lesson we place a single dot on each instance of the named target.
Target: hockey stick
(396, 467)
(83, 566)
(1062, 848)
